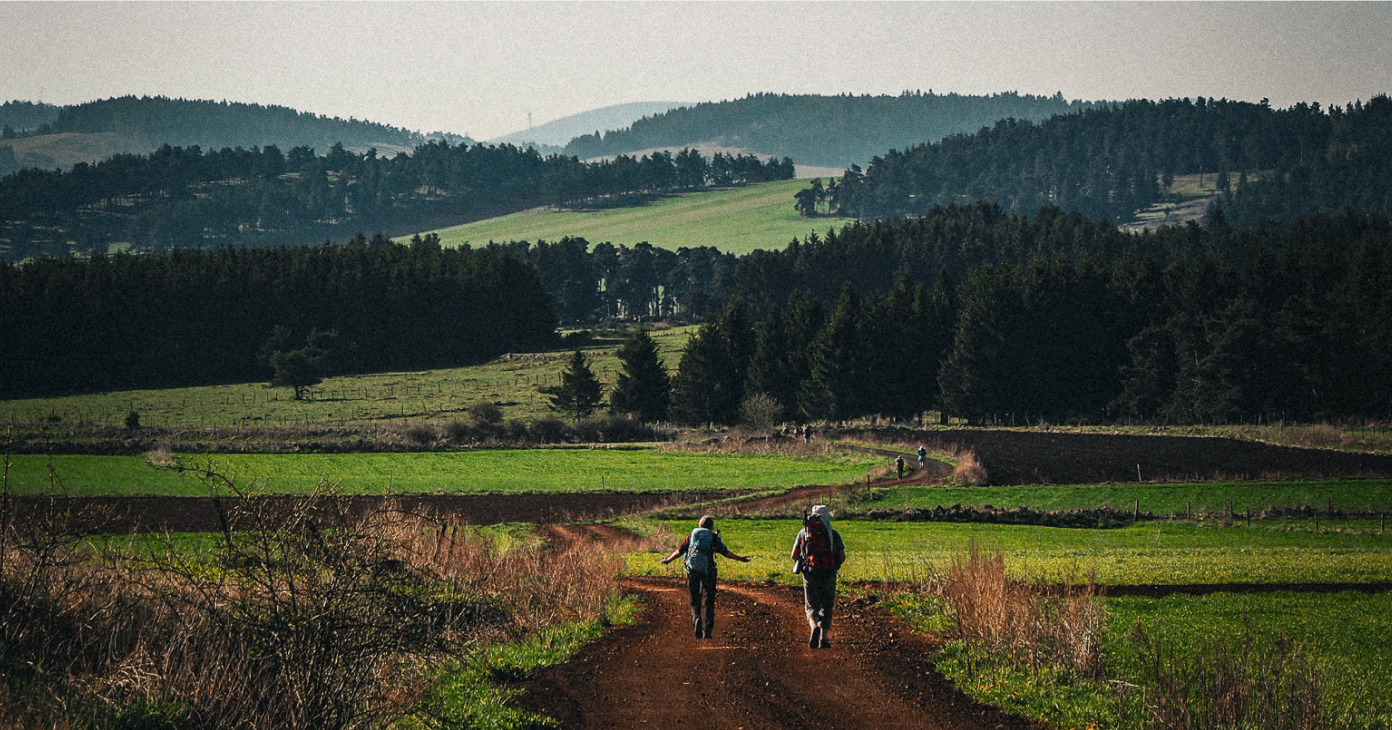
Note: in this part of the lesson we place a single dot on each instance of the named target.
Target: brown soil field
(1036, 457)
(200, 514)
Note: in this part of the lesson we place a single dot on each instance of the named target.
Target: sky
(480, 68)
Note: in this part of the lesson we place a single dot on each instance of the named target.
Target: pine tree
(834, 389)
(643, 386)
(579, 393)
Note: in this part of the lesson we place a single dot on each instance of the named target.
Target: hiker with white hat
(818, 554)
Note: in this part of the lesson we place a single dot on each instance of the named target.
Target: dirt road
(756, 672)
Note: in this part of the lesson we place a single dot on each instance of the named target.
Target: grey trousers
(818, 594)
(701, 586)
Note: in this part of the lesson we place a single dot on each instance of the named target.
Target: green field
(735, 220)
(1369, 495)
(438, 395)
(466, 472)
(1146, 553)
(1348, 636)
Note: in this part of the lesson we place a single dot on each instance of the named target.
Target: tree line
(822, 130)
(188, 197)
(1112, 160)
(970, 310)
(1292, 329)
(210, 316)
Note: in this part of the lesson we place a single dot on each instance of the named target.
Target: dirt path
(756, 672)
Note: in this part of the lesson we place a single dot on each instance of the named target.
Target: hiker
(818, 553)
(700, 549)
(899, 464)
(922, 456)
(807, 434)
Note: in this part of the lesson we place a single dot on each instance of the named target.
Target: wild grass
(316, 618)
(1073, 661)
(735, 220)
(1343, 649)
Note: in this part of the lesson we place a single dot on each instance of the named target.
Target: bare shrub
(421, 435)
(486, 415)
(457, 432)
(1002, 617)
(760, 412)
(549, 430)
(1265, 682)
(308, 616)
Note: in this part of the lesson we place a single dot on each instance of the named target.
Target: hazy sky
(479, 68)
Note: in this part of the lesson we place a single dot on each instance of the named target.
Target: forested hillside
(187, 197)
(980, 312)
(24, 117)
(834, 131)
(1113, 160)
(199, 317)
(158, 120)
(1075, 322)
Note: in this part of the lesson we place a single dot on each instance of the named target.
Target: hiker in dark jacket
(700, 549)
(818, 552)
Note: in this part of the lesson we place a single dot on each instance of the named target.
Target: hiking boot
(699, 633)
(707, 635)
(826, 643)
(816, 639)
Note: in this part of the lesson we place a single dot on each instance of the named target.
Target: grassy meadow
(735, 220)
(636, 469)
(380, 398)
(1159, 553)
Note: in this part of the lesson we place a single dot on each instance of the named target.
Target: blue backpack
(700, 553)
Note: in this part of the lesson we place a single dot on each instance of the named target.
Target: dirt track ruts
(756, 672)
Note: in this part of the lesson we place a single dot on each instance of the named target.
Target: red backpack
(817, 548)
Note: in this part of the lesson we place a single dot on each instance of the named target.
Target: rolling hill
(559, 132)
(99, 130)
(734, 220)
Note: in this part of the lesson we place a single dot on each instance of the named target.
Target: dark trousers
(819, 595)
(702, 589)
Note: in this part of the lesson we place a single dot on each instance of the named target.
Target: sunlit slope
(737, 220)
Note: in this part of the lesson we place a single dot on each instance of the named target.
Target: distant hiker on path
(700, 549)
(818, 553)
(899, 464)
(922, 456)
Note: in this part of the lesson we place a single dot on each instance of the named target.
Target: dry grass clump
(311, 616)
(1033, 628)
(969, 469)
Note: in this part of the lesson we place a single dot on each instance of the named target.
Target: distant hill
(559, 132)
(101, 129)
(831, 131)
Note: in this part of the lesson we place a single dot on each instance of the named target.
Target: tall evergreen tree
(643, 386)
(709, 386)
(835, 386)
(579, 393)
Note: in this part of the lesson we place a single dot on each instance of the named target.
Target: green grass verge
(1160, 553)
(464, 472)
(475, 693)
(432, 395)
(735, 220)
(1161, 499)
